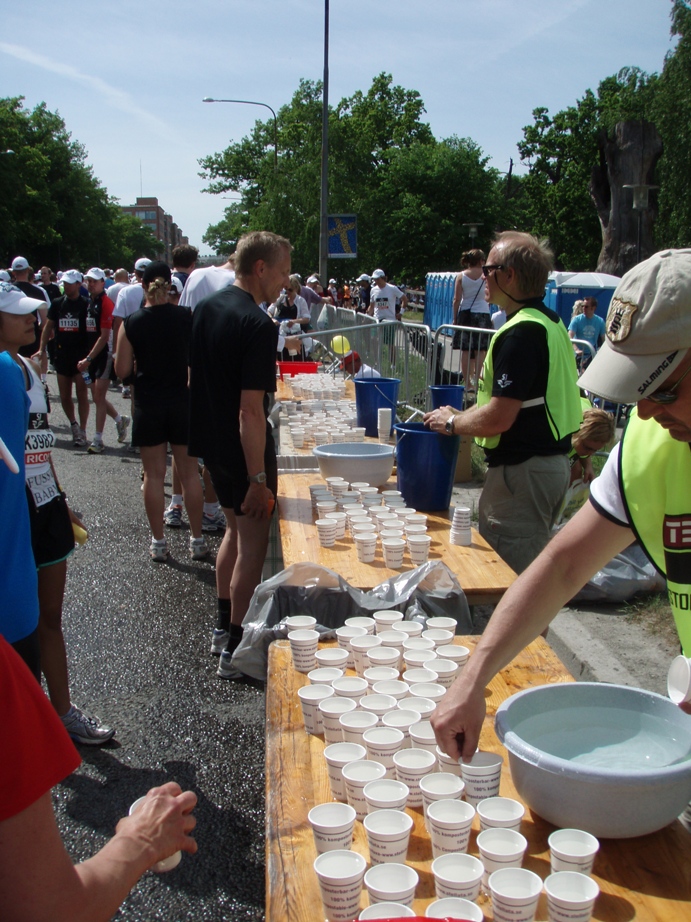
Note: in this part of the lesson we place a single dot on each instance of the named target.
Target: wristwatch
(448, 425)
(257, 478)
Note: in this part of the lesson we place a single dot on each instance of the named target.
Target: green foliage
(53, 210)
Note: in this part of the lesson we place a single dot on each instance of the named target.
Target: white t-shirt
(203, 282)
(606, 491)
(383, 300)
(130, 299)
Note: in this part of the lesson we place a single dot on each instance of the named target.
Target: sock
(98, 436)
(211, 508)
(223, 618)
(118, 419)
(235, 638)
(176, 499)
(74, 424)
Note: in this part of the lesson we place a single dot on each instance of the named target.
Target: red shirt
(36, 751)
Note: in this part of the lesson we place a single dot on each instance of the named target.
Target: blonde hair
(530, 257)
(578, 308)
(597, 426)
(157, 291)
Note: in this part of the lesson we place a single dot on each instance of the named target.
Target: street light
(249, 102)
(641, 193)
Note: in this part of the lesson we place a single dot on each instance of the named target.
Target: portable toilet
(439, 298)
(564, 288)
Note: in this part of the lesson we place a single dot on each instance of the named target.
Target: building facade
(161, 225)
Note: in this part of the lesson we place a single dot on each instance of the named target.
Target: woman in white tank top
(471, 310)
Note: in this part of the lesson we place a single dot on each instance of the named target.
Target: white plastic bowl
(356, 461)
(612, 760)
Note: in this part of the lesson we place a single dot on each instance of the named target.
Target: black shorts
(52, 538)
(66, 363)
(160, 421)
(231, 484)
(473, 342)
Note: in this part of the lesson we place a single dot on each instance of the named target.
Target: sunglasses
(667, 397)
(489, 268)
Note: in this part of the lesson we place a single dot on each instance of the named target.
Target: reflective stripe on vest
(655, 479)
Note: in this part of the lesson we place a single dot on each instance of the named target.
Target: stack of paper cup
(384, 423)
(460, 526)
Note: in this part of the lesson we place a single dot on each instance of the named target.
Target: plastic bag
(628, 573)
(308, 589)
(575, 497)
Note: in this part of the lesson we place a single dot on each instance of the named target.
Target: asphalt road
(138, 637)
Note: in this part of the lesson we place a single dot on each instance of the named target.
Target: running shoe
(225, 668)
(219, 639)
(126, 393)
(214, 521)
(159, 550)
(122, 428)
(199, 549)
(173, 516)
(96, 447)
(85, 729)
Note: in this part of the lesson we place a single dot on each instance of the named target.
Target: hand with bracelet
(441, 420)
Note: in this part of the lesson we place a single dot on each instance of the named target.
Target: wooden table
(647, 879)
(483, 575)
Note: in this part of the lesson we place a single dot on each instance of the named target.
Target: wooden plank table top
(483, 575)
(647, 879)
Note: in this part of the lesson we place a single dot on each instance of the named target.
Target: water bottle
(87, 377)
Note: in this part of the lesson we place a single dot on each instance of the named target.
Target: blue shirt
(591, 329)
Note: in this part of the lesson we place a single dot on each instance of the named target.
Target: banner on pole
(342, 236)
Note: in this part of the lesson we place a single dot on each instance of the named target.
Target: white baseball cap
(176, 283)
(14, 301)
(333, 282)
(379, 274)
(71, 277)
(312, 279)
(98, 275)
(5, 276)
(363, 278)
(19, 263)
(141, 264)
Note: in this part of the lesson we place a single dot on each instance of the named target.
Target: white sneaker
(122, 428)
(159, 550)
(199, 549)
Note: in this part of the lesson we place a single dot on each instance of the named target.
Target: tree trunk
(627, 157)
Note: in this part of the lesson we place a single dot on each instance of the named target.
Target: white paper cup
(500, 813)
(297, 622)
(391, 883)
(418, 642)
(391, 494)
(415, 530)
(442, 623)
(340, 875)
(332, 656)
(416, 675)
(416, 659)
(326, 528)
(386, 911)
(423, 706)
(377, 704)
(363, 528)
(439, 637)
(356, 775)
(411, 628)
(421, 734)
(332, 826)
(572, 850)
(393, 549)
(350, 687)
(411, 766)
(360, 646)
(439, 786)
(330, 481)
(402, 720)
(340, 519)
(385, 794)
(384, 656)
(369, 624)
(515, 893)
(446, 670)
(679, 680)
(393, 687)
(386, 619)
(366, 546)
(331, 711)
(570, 896)
(298, 436)
(449, 823)
(388, 835)
(376, 674)
(303, 647)
(382, 743)
(337, 755)
(454, 909)
(344, 635)
(482, 776)
(391, 533)
(457, 875)
(310, 698)
(416, 518)
(168, 864)
(501, 848)
(455, 652)
(324, 675)
(448, 764)
(357, 484)
(354, 724)
(394, 639)
(432, 690)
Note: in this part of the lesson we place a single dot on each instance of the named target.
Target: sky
(129, 78)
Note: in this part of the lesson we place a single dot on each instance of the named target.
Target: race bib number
(69, 324)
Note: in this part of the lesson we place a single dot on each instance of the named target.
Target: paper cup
(418, 642)
(310, 698)
(340, 519)
(337, 755)
(377, 704)
(501, 848)
(168, 864)
(515, 893)
(382, 743)
(394, 687)
(380, 674)
(340, 875)
(393, 549)
(297, 622)
(344, 635)
(416, 659)
(324, 675)
(411, 628)
(457, 876)
(570, 896)
(354, 724)
(402, 720)
(386, 911)
(442, 623)
(326, 532)
(432, 690)
(439, 786)
(332, 656)
(303, 647)
(388, 834)
(421, 734)
(298, 436)
(449, 823)
(394, 639)
(438, 637)
(446, 670)
(385, 794)
(391, 883)
(500, 813)
(411, 766)
(386, 619)
(369, 624)
(366, 547)
(482, 776)
(454, 909)
(384, 656)
(391, 533)
(572, 850)
(332, 826)
(356, 775)
(454, 652)
(360, 647)
(423, 706)
(416, 675)
(679, 680)
(350, 687)
(331, 711)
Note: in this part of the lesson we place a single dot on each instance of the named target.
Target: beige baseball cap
(647, 331)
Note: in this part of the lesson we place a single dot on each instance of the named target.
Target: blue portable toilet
(565, 288)
(439, 298)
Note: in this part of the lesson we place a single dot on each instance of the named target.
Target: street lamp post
(324, 200)
(249, 102)
(641, 191)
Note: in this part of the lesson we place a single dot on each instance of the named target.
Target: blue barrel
(372, 394)
(426, 464)
(447, 395)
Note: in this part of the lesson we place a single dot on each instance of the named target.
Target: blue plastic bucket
(447, 395)
(372, 394)
(426, 464)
